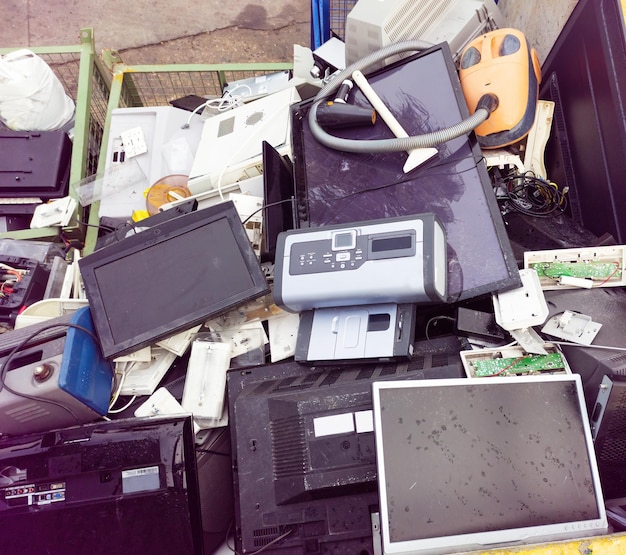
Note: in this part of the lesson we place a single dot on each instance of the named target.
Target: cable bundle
(532, 195)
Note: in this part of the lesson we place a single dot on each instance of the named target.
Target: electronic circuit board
(592, 270)
(518, 365)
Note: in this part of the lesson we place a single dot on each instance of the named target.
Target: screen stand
(377, 540)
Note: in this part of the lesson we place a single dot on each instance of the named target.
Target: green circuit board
(592, 270)
(519, 365)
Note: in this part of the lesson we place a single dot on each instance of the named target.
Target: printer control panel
(348, 250)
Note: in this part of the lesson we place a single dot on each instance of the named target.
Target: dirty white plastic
(179, 343)
(522, 307)
(54, 213)
(31, 96)
(609, 255)
(205, 382)
(160, 403)
(538, 139)
(572, 326)
(142, 377)
(46, 309)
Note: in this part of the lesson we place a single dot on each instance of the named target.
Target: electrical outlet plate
(522, 307)
(604, 266)
(134, 142)
(572, 326)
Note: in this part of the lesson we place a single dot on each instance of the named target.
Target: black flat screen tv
(125, 486)
(170, 277)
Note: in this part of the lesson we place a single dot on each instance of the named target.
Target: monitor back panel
(303, 452)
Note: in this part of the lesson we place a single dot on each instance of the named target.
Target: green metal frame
(126, 88)
(88, 64)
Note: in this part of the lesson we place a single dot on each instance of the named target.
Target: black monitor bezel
(158, 235)
(303, 162)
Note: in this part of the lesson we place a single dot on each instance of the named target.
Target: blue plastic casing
(85, 373)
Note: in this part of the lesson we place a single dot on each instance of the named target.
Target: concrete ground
(163, 32)
(169, 32)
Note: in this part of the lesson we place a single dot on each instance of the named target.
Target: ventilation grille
(264, 536)
(331, 378)
(617, 425)
(418, 363)
(288, 446)
(618, 363)
(560, 127)
(389, 371)
(441, 359)
(613, 451)
(365, 374)
(321, 379)
(415, 18)
(27, 412)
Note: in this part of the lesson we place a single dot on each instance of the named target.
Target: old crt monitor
(170, 277)
(303, 452)
(480, 463)
(372, 24)
(125, 486)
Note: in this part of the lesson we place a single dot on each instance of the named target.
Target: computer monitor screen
(480, 463)
(170, 277)
(334, 187)
(278, 195)
(125, 486)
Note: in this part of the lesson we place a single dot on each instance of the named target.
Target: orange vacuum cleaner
(501, 63)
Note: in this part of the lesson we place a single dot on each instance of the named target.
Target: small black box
(34, 164)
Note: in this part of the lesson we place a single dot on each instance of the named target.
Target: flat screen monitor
(334, 187)
(125, 486)
(480, 463)
(278, 192)
(170, 277)
(304, 465)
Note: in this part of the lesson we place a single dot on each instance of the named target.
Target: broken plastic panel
(572, 326)
(205, 383)
(585, 267)
(522, 307)
(116, 179)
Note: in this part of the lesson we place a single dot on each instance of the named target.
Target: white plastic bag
(31, 96)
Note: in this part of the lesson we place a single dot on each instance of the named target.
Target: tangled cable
(532, 195)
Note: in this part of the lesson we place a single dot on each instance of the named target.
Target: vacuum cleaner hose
(387, 145)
